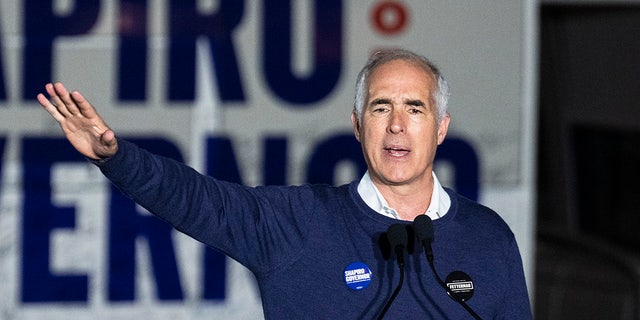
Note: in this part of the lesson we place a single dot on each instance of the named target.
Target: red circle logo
(389, 17)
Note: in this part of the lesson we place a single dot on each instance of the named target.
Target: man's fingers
(54, 98)
(62, 104)
(47, 105)
(83, 106)
(62, 94)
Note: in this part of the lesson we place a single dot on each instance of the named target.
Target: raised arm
(79, 121)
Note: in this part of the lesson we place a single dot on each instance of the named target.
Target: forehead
(401, 75)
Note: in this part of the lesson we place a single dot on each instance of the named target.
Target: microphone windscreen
(423, 227)
(397, 235)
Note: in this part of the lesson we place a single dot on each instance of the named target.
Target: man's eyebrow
(415, 103)
(379, 101)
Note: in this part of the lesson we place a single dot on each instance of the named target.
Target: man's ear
(356, 125)
(443, 127)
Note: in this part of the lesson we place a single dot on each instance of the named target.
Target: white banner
(258, 92)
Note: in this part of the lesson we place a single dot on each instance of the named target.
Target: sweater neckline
(367, 212)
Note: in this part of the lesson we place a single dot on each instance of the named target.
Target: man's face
(399, 132)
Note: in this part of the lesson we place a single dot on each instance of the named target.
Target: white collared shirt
(440, 201)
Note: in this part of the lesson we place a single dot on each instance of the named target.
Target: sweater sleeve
(259, 227)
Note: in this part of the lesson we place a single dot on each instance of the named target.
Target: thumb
(109, 144)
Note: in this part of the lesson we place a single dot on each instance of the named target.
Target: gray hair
(440, 96)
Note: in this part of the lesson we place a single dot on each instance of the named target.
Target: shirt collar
(440, 201)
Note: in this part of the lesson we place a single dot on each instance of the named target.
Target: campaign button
(357, 276)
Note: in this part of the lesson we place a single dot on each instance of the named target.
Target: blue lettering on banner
(274, 164)
(466, 165)
(331, 152)
(132, 50)
(215, 275)
(41, 28)
(221, 159)
(40, 218)
(327, 51)
(186, 25)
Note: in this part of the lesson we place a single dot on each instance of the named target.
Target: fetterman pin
(460, 285)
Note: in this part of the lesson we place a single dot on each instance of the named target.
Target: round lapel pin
(357, 276)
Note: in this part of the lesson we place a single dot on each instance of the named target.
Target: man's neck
(409, 200)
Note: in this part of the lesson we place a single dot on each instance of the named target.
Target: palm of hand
(80, 122)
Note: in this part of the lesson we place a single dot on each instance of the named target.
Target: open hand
(79, 121)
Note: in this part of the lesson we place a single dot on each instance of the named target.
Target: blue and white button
(357, 276)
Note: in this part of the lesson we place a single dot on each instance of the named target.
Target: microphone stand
(393, 295)
(398, 238)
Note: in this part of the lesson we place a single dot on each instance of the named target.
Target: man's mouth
(396, 151)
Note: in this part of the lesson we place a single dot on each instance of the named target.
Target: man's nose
(396, 122)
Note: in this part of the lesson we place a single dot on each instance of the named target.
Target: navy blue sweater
(300, 240)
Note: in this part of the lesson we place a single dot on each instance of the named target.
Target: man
(315, 250)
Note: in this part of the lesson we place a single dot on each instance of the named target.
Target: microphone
(398, 239)
(423, 228)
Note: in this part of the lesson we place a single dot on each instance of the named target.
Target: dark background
(588, 239)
